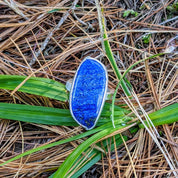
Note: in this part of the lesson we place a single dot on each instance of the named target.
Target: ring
(88, 92)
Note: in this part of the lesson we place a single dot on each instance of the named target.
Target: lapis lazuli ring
(88, 92)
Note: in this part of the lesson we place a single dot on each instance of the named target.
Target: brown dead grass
(34, 42)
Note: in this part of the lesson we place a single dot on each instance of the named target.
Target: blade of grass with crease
(62, 172)
(54, 116)
(35, 85)
(107, 47)
(96, 155)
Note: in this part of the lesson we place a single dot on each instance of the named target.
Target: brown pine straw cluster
(49, 39)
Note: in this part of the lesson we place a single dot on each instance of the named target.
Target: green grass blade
(34, 85)
(71, 159)
(36, 114)
(165, 115)
(113, 64)
(53, 116)
(97, 155)
(107, 48)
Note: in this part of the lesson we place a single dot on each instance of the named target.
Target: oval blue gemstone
(88, 92)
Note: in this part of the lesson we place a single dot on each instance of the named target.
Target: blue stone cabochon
(75, 96)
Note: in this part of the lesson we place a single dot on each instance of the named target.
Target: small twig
(169, 20)
(82, 22)
(15, 8)
(100, 23)
(168, 141)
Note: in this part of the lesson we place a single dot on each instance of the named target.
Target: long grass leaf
(107, 47)
(56, 116)
(165, 115)
(71, 159)
(97, 155)
(35, 85)
(53, 116)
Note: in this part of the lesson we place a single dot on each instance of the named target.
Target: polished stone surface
(88, 92)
